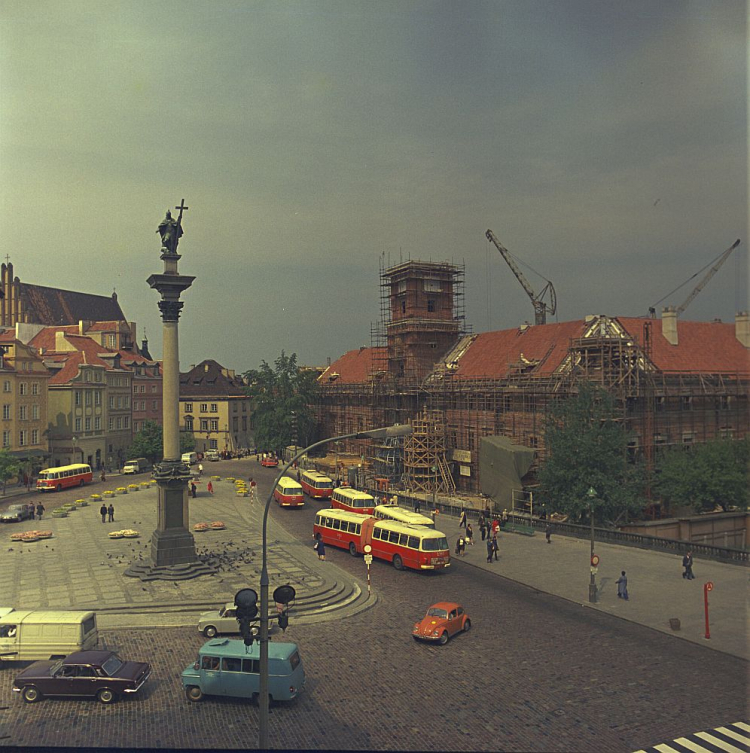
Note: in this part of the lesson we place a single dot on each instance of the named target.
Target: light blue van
(227, 667)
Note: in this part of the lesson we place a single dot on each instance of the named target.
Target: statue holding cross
(170, 230)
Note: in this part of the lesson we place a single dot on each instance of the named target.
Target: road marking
(732, 738)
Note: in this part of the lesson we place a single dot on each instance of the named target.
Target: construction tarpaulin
(502, 465)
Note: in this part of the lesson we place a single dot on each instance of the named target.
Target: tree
(149, 443)
(281, 398)
(9, 466)
(705, 475)
(587, 449)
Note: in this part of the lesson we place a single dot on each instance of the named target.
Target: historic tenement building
(676, 382)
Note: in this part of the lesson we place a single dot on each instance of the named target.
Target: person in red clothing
(210, 488)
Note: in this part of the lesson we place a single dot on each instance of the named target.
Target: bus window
(210, 662)
(328, 523)
(413, 542)
(231, 664)
(393, 538)
(336, 525)
(434, 545)
(403, 539)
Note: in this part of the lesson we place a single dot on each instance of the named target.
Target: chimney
(669, 324)
(742, 327)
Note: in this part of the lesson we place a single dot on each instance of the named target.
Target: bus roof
(317, 475)
(395, 525)
(335, 512)
(408, 516)
(288, 481)
(234, 647)
(347, 491)
(75, 466)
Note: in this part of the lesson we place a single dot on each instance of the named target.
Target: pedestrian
(460, 546)
(103, 512)
(39, 510)
(687, 563)
(416, 504)
(210, 488)
(319, 546)
(31, 510)
(483, 527)
(548, 532)
(462, 519)
(622, 586)
(495, 546)
(200, 469)
(495, 527)
(469, 534)
(102, 476)
(489, 549)
(111, 512)
(193, 489)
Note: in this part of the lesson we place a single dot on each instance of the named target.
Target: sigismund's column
(171, 543)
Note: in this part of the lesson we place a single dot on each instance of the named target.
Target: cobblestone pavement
(536, 673)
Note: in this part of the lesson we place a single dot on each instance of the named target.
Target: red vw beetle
(442, 621)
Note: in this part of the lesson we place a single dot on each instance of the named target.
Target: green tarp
(502, 465)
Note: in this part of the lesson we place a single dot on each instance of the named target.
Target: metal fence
(730, 555)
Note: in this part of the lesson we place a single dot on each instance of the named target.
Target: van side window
(252, 666)
(210, 662)
(7, 631)
(294, 660)
(230, 664)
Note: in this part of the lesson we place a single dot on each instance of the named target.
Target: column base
(175, 546)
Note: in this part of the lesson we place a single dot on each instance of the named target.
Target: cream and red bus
(351, 500)
(288, 493)
(55, 479)
(404, 546)
(402, 515)
(316, 485)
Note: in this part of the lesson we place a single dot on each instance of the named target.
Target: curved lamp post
(591, 494)
(391, 431)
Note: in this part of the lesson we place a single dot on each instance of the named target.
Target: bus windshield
(434, 545)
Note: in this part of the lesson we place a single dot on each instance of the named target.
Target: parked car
(100, 674)
(212, 455)
(223, 620)
(269, 462)
(15, 514)
(442, 621)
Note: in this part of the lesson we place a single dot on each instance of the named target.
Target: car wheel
(467, 626)
(209, 631)
(398, 563)
(193, 693)
(352, 549)
(105, 695)
(31, 694)
(443, 638)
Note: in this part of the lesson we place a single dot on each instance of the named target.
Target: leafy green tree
(587, 448)
(9, 466)
(705, 475)
(149, 443)
(282, 397)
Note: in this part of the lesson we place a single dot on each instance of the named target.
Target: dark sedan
(15, 514)
(99, 674)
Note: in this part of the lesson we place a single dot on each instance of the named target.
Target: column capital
(170, 310)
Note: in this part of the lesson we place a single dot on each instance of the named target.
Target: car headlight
(436, 632)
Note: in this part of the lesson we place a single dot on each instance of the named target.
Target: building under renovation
(675, 382)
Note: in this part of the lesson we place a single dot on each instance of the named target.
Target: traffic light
(246, 601)
(284, 595)
(283, 620)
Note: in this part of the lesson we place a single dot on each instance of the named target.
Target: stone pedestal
(172, 543)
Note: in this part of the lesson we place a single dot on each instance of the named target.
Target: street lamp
(591, 494)
(390, 431)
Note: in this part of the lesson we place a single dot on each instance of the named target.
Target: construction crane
(541, 308)
(702, 284)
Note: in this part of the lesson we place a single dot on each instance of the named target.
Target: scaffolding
(425, 465)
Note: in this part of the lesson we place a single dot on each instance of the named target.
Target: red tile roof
(702, 347)
(353, 367)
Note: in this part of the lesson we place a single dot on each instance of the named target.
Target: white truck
(41, 634)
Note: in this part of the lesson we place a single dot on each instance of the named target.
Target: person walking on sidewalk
(462, 519)
(39, 510)
(210, 487)
(490, 550)
(103, 512)
(111, 512)
(469, 535)
(548, 533)
(193, 489)
(495, 546)
(319, 547)
(30, 507)
(483, 527)
(687, 563)
(622, 586)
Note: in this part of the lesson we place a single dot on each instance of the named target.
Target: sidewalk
(655, 584)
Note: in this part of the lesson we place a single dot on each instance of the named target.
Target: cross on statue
(7, 259)
(181, 207)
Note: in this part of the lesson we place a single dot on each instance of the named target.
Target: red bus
(288, 493)
(316, 485)
(414, 547)
(346, 498)
(55, 479)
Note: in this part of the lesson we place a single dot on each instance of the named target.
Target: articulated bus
(346, 498)
(402, 515)
(414, 547)
(316, 485)
(288, 493)
(55, 479)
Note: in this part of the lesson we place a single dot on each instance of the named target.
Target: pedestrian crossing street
(732, 738)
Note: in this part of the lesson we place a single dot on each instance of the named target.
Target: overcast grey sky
(605, 144)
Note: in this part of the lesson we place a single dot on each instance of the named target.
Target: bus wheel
(398, 563)
(193, 693)
(443, 638)
(352, 549)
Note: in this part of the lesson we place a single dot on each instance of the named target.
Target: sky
(604, 143)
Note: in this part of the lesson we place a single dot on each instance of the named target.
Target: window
(6, 386)
(22, 438)
(204, 408)
(403, 307)
(35, 388)
(97, 398)
(111, 402)
(188, 407)
(188, 424)
(687, 437)
(97, 423)
(213, 444)
(118, 422)
(126, 422)
(35, 436)
(87, 424)
(726, 432)
(23, 388)
(111, 424)
(6, 439)
(6, 412)
(431, 286)
(687, 402)
(210, 662)
(88, 396)
(78, 424)
(214, 408)
(251, 666)
(154, 404)
(231, 664)
(214, 425)
(153, 389)
(35, 412)
(204, 424)
(430, 304)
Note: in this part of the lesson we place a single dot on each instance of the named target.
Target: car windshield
(434, 545)
(55, 667)
(435, 612)
(112, 665)
(15, 508)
